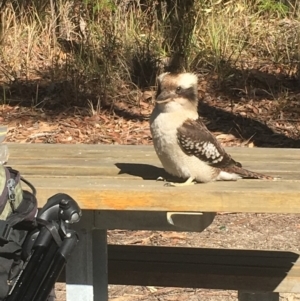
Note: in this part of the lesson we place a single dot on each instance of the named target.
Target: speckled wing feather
(196, 140)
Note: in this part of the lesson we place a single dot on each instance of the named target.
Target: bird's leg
(189, 181)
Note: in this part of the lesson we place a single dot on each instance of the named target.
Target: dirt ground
(241, 231)
(248, 120)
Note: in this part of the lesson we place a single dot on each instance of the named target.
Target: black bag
(34, 246)
(18, 209)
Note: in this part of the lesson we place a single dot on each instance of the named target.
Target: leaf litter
(235, 118)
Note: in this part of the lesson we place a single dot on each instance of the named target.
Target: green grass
(97, 51)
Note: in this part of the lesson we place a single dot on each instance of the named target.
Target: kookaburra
(182, 142)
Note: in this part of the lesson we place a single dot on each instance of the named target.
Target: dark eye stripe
(188, 93)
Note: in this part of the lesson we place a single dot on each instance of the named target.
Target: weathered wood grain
(37, 151)
(118, 177)
(204, 268)
(114, 178)
(97, 160)
(121, 194)
(149, 169)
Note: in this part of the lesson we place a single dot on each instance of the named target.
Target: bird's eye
(178, 89)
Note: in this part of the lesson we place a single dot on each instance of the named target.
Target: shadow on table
(145, 171)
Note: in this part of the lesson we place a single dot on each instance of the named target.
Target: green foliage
(97, 6)
(107, 48)
(273, 7)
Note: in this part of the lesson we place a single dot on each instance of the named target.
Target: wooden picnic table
(116, 188)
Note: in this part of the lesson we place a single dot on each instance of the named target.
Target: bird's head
(176, 92)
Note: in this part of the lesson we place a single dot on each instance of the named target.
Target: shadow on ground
(70, 97)
(246, 128)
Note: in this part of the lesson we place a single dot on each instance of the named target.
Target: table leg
(258, 296)
(100, 277)
(86, 272)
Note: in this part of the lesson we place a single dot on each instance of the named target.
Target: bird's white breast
(163, 128)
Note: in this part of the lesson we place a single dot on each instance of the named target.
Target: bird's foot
(189, 181)
(161, 179)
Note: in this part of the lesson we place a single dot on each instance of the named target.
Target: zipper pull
(11, 185)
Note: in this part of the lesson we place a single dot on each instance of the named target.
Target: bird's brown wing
(196, 140)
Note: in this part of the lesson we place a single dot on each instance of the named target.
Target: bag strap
(18, 176)
(15, 209)
(33, 190)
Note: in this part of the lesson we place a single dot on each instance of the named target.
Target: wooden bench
(116, 188)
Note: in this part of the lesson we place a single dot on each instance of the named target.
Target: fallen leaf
(152, 289)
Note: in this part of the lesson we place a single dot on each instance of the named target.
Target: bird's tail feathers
(248, 174)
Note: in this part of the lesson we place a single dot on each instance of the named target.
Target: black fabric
(13, 231)
(10, 263)
(24, 242)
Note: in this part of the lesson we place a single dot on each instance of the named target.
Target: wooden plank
(209, 256)
(136, 161)
(36, 151)
(204, 268)
(125, 163)
(149, 168)
(123, 194)
(142, 170)
(74, 148)
(116, 177)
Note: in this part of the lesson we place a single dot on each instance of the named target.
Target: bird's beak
(163, 97)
